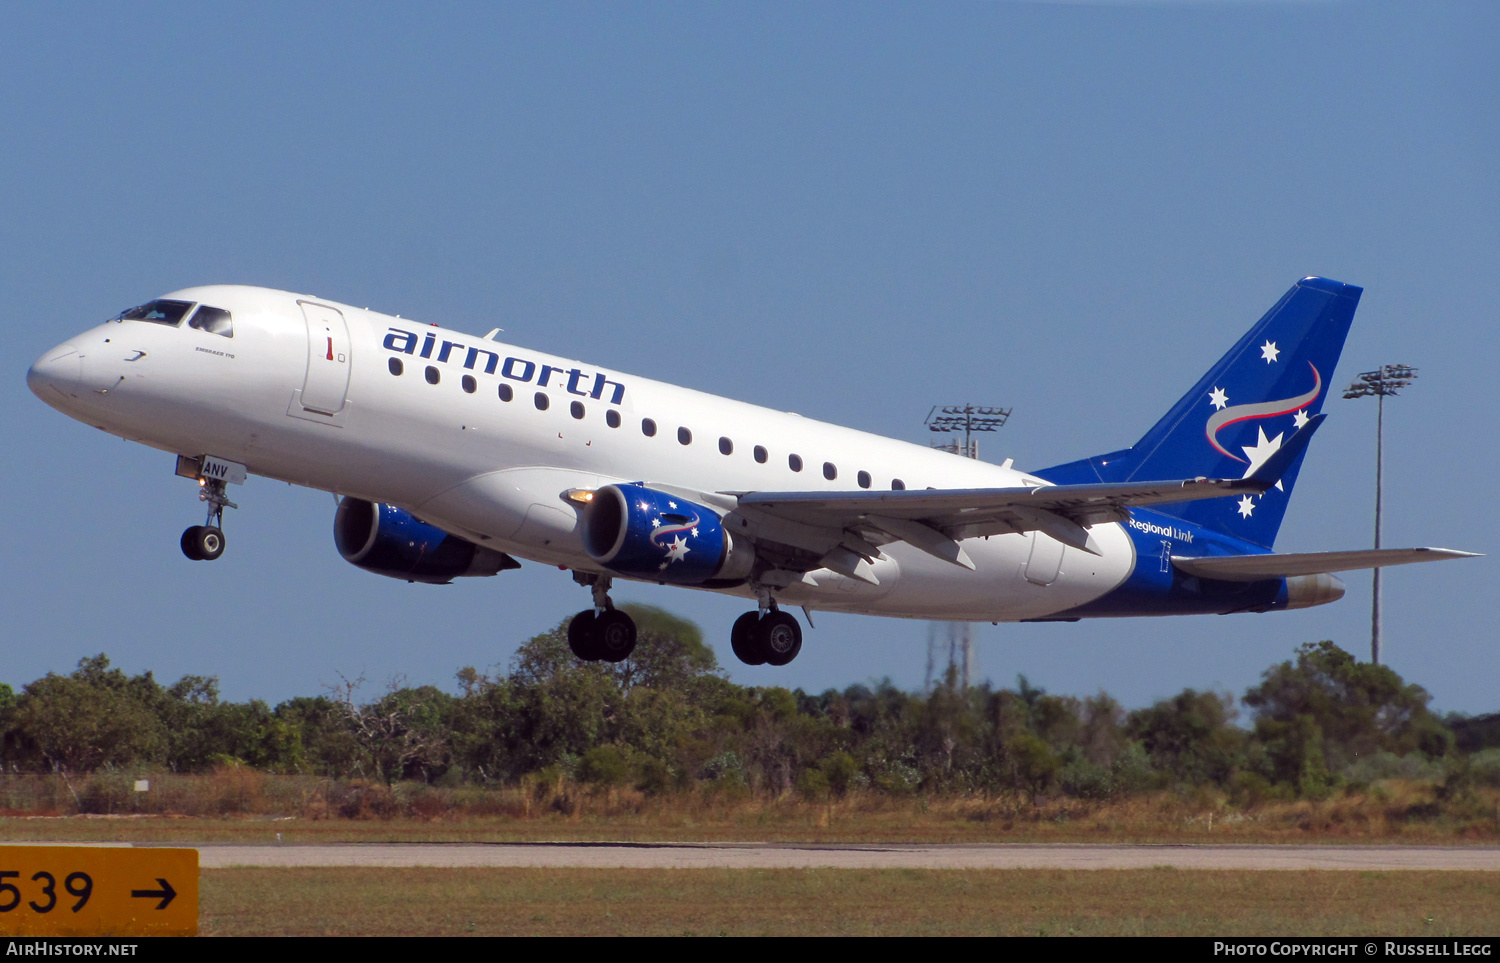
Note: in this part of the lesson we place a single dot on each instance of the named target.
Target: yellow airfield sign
(98, 891)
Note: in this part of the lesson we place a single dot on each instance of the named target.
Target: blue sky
(854, 211)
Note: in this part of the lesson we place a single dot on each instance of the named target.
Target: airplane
(453, 455)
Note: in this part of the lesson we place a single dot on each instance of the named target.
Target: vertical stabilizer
(1240, 412)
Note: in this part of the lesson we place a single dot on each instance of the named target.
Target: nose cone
(55, 376)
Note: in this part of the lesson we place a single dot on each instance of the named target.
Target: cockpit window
(212, 320)
(158, 312)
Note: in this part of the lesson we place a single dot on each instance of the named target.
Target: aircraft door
(327, 381)
(1045, 560)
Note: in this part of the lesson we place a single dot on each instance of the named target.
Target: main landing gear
(766, 636)
(602, 633)
(204, 543)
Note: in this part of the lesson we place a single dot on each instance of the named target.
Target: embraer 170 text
(454, 453)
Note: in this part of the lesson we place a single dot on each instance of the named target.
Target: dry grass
(238, 804)
(554, 902)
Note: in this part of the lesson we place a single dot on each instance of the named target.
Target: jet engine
(649, 534)
(388, 541)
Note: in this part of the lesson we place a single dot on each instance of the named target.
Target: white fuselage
(304, 391)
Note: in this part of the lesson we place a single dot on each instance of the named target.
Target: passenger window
(794, 462)
(761, 454)
(829, 471)
(395, 365)
(470, 385)
(684, 437)
(576, 408)
(648, 427)
(726, 447)
(612, 418)
(864, 479)
(541, 401)
(212, 320)
(505, 393)
(157, 312)
(897, 485)
(433, 377)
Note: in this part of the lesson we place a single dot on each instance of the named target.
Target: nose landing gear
(204, 543)
(602, 633)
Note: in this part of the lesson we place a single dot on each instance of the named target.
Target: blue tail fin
(1266, 387)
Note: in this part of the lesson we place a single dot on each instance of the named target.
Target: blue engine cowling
(388, 541)
(650, 534)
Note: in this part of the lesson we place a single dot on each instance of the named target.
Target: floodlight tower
(969, 419)
(1385, 380)
(951, 419)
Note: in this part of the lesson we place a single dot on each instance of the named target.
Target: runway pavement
(784, 856)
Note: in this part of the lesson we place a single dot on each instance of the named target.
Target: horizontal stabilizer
(1252, 568)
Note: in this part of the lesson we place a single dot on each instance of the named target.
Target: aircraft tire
(614, 635)
(582, 637)
(742, 640)
(210, 542)
(780, 637)
(189, 543)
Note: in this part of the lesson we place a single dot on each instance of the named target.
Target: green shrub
(604, 766)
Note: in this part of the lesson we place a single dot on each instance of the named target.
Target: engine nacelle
(1305, 591)
(388, 541)
(650, 534)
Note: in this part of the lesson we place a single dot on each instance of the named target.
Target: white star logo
(1269, 351)
(677, 550)
(1263, 449)
(1218, 397)
(1247, 507)
(1300, 418)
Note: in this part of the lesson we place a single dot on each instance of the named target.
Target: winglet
(1271, 470)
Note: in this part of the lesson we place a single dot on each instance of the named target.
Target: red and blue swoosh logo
(1265, 409)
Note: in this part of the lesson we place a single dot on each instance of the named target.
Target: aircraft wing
(843, 530)
(847, 528)
(1251, 568)
(967, 512)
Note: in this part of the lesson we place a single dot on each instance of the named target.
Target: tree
(554, 706)
(10, 739)
(1102, 740)
(1032, 762)
(669, 652)
(403, 733)
(96, 716)
(203, 731)
(1191, 737)
(553, 709)
(321, 731)
(1358, 709)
